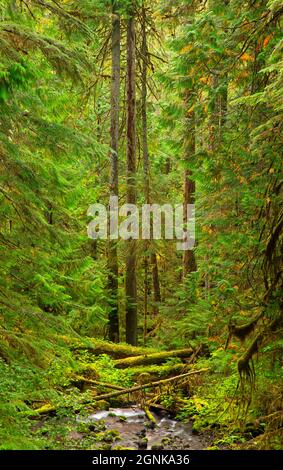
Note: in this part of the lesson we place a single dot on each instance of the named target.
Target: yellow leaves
(204, 80)
(243, 74)
(246, 57)
(233, 346)
(207, 229)
(271, 171)
(186, 49)
(214, 339)
(266, 40)
(263, 43)
(199, 403)
(238, 266)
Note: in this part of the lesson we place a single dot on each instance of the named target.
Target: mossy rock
(102, 405)
(122, 419)
(157, 447)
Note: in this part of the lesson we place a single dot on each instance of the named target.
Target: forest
(111, 342)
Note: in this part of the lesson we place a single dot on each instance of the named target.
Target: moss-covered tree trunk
(114, 188)
(189, 260)
(131, 287)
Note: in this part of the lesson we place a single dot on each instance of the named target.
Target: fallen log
(152, 358)
(44, 409)
(157, 371)
(97, 347)
(150, 416)
(79, 378)
(105, 396)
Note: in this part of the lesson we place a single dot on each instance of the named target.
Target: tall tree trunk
(219, 106)
(146, 168)
(155, 282)
(189, 260)
(145, 159)
(114, 188)
(131, 287)
(217, 121)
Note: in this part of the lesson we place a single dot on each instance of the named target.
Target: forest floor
(93, 394)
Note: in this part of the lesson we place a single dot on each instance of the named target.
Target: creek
(136, 431)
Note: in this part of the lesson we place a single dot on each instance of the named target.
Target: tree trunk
(131, 288)
(155, 282)
(145, 159)
(114, 138)
(146, 168)
(189, 261)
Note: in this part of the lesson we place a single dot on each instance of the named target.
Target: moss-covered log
(152, 358)
(43, 410)
(157, 371)
(97, 347)
(150, 415)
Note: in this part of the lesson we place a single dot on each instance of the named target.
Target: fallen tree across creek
(117, 393)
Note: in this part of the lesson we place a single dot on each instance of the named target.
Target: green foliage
(216, 80)
(108, 373)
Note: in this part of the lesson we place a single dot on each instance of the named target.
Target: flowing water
(137, 432)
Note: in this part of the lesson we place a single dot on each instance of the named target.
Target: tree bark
(146, 168)
(131, 287)
(189, 260)
(155, 282)
(145, 160)
(114, 182)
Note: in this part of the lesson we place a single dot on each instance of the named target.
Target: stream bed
(136, 431)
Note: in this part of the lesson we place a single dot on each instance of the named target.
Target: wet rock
(122, 419)
(149, 425)
(92, 427)
(102, 405)
(75, 435)
(142, 444)
(166, 440)
(142, 433)
(139, 432)
(157, 447)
